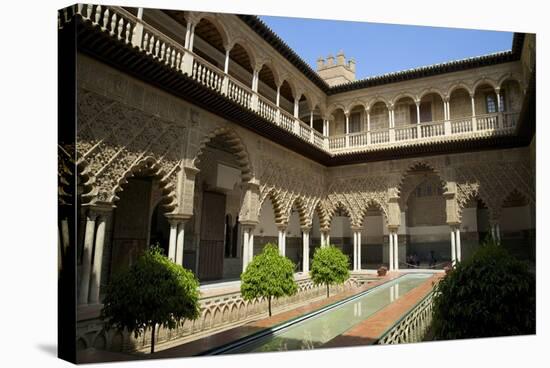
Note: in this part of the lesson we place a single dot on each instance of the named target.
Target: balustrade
(129, 29)
(412, 327)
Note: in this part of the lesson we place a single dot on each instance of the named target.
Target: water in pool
(316, 331)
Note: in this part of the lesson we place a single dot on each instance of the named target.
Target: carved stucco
(115, 141)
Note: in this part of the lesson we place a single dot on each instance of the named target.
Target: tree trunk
(327, 291)
(269, 305)
(153, 338)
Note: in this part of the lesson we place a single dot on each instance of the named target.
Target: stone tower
(338, 72)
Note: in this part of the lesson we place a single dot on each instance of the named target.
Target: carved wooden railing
(125, 27)
(413, 326)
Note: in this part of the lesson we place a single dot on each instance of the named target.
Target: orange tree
(153, 291)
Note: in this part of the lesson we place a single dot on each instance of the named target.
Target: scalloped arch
(236, 146)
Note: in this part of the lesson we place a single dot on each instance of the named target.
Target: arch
(484, 80)
(372, 202)
(430, 90)
(377, 99)
(340, 205)
(456, 86)
(474, 193)
(206, 320)
(236, 145)
(298, 203)
(509, 77)
(401, 95)
(353, 104)
(276, 202)
(251, 53)
(334, 107)
(234, 312)
(155, 170)
(418, 166)
(218, 24)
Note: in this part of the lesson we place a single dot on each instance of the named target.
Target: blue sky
(384, 48)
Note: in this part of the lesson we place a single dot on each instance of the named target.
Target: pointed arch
(277, 203)
(235, 145)
(418, 166)
(155, 170)
(298, 203)
(372, 203)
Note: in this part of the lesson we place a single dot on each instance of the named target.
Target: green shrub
(268, 275)
(329, 266)
(491, 294)
(153, 291)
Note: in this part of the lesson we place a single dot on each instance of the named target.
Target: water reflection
(318, 330)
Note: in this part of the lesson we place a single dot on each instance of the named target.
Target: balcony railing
(461, 128)
(125, 27)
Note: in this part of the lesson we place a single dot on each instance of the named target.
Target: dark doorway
(212, 238)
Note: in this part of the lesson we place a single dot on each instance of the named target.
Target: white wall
(267, 226)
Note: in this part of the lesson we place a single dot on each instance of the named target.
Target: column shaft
(391, 252)
(395, 251)
(86, 260)
(179, 243)
(458, 245)
(355, 250)
(359, 250)
(453, 247)
(172, 241)
(246, 234)
(305, 256)
(95, 283)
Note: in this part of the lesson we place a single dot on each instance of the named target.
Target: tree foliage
(153, 291)
(329, 266)
(268, 275)
(491, 294)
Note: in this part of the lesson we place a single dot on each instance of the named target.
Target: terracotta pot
(382, 271)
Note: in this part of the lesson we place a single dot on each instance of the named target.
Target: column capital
(281, 227)
(99, 209)
(248, 224)
(393, 228)
(176, 218)
(305, 229)
(356, 228)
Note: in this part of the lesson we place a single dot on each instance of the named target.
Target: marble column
(355, 252)
(246, 248)
(391, 262)
(180, 243)
(282, 240)
(95, 281)
(87, 258)
(172, 240)
(395, 251)
(458, 245)
(305, 250)
(359, 250)
(453, 247)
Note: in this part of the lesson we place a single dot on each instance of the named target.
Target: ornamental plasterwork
(492, 183)
(355, 195)
(115, 141)
(287, 186)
